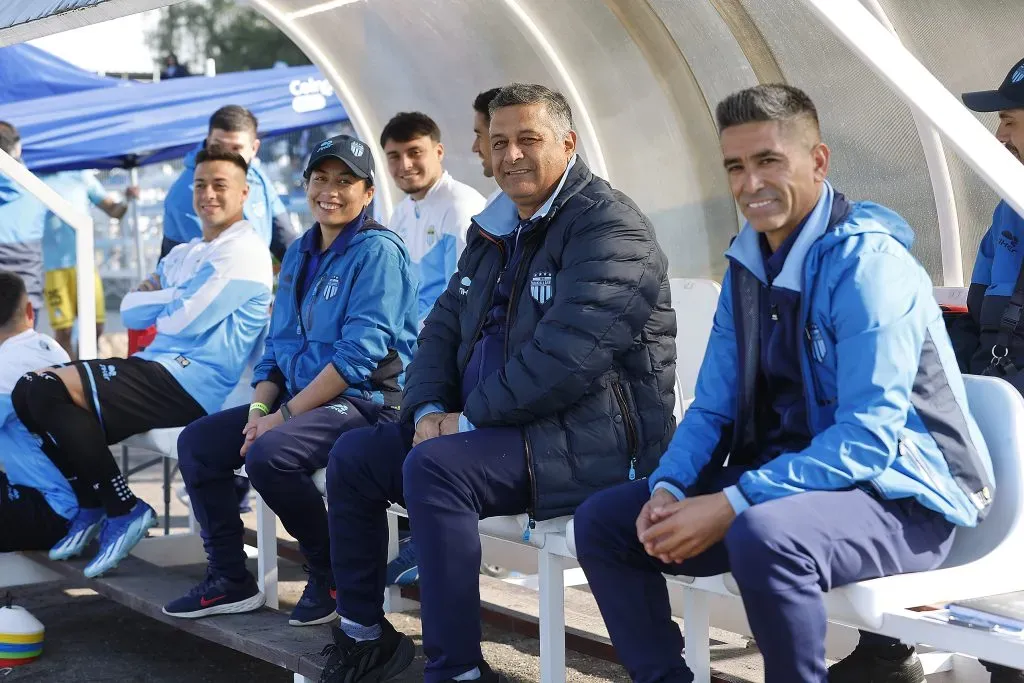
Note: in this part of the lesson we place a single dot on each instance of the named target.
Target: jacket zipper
(631, 437)
(299, 312)
(490, 302)
(908, 450)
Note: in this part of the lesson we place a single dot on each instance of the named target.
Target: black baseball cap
(348, 150)
(1010, 94)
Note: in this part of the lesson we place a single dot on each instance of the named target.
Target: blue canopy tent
(153, 122)
(28, 73)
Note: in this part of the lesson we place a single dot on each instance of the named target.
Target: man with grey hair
(544, 374)
(828, 359)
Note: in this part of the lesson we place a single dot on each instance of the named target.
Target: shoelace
(203, 586)
(314, 583)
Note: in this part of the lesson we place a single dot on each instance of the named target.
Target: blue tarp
(27, 73)
(151, 122)
(14, 12)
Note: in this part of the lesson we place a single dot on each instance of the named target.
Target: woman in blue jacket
(342, 332)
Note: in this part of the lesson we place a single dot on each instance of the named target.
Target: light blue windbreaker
(83, 190)
(181, 224)
(20, 454)
(211, 312)
(886, 403)
(359, 314)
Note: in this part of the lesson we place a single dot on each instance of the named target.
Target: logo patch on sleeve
(182, 361)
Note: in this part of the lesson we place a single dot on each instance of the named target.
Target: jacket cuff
(736, 499)
(671, 488)
(428, 409)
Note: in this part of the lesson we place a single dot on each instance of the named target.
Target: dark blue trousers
(447, 484)
(783, 554)
(280, 465)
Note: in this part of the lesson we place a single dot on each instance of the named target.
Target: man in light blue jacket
(209, 301)
(830, 385)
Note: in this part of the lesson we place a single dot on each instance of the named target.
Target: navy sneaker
(119, 536)
(872, 664)
(217, 595)
(402, 571)
(318, 602)
(367, 661)
(84, 528)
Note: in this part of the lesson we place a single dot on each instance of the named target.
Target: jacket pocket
(632, 438)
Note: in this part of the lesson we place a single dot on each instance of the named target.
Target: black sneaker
(866, 664)
(367, 661)
(486, 676)
(1004, 674)
(318, 602)
(217, 595)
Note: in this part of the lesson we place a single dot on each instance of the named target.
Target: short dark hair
(482, 102)
(9, 137)
(532, 93)
(12, 293)
(409, 125)
(218, 153)
(773, 102)
(234, 119)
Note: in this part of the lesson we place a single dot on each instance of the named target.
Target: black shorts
(131, 396)
(27, 522)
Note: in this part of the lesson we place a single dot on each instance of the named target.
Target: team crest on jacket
(541, 287)
(331, 288)
(431, 236)
(818, 349)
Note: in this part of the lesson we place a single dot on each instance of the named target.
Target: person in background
(172, 69)
(342, 333)
(481, 136)
(437, 210)
(233, 128)
(21, 225)
(209, 300)
(36, 501)
(976, 337)
(83, 190)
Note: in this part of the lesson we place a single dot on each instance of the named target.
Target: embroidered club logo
(357, 148)
(817, 341)
(326, 144)
(464, 285)
(109, 372)
(339, 408)
(541, 287)
(1018, 75)
(1009, 241)
(431, 236)
(332, 287)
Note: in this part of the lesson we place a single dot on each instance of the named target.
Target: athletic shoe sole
(248, 605)
(315, 622)
(125, 544)
(66, 550)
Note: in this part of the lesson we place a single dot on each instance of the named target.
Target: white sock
(471, 675)
(358, 632)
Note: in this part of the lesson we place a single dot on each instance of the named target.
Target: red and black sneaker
(217, 595)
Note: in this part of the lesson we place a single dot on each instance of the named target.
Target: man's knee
(422, 470)
(608, 518)
(198, 452)
(34, 397)
(755, 541)
(351, 461)
(263, 460)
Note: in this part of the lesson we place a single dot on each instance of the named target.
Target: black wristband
(285, 413)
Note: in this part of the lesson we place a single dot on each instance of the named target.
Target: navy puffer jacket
(589, 363)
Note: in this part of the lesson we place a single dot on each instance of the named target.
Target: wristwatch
(285, 413)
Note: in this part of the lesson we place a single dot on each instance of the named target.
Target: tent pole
(133, 207)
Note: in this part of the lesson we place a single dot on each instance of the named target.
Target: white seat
(695, 301)
(984, 560)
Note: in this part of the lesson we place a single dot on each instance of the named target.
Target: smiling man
(437, 210)
(208, 300)
(984, 345)
(544, 373)
(827, 359)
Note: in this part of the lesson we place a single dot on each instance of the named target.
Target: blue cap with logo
(1009, 95)
(348, 150)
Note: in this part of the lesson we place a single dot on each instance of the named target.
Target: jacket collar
(501, 216)
(746, 248)
(310, 242)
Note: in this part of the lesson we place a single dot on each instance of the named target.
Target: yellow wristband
(262, 407)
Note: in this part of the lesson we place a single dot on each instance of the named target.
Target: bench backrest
(695, 301)
(999, 410)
